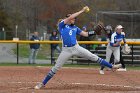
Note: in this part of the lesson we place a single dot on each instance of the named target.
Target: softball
(87, 9)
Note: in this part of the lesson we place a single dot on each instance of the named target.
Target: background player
(114, 46)
(54, 47)
(68, 31)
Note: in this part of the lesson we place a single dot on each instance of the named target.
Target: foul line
(86, 84)
(107, 85)
(83, 68)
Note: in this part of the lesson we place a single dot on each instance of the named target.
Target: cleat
(117, 66)
(121, 69)
(39, 86)
(101, 72)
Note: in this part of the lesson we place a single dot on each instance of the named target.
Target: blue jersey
(115, 37)
(68, 34)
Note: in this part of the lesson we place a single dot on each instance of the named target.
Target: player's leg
(108, 56)
(35, 55)
(82, 52)
(30, 60)
(122, 62)
(63, 57)
(121, 59)
(116, 54)
(52, 55)
(112, 59)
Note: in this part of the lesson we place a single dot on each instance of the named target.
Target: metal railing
(132, 44)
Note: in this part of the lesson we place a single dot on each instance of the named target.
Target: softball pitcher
(114, 46)
(68, 31)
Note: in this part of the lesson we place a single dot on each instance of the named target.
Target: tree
(35, 14)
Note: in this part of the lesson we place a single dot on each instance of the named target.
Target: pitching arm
(74, 15)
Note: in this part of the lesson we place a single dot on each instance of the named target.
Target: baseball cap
(119, 27)
(108, 27)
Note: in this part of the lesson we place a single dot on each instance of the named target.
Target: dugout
(129, 19)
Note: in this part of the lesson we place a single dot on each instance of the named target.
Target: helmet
(108, 27)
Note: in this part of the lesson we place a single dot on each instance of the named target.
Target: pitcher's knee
(93, 58)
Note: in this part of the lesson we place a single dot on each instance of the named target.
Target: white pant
(115, 51)
(68, 52)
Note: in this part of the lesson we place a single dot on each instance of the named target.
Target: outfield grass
(67, 65)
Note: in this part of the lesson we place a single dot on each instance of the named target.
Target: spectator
(34, 47)
(54, 47)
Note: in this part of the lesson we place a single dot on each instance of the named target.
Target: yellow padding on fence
(54, 42)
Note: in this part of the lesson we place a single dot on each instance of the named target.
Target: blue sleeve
(78, 31)
(61, 24)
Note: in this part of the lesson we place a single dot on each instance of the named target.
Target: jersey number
(70, 33)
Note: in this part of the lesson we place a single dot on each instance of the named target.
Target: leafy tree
(34, 14)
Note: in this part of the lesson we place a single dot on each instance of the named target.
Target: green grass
(24, 51)
(44, 52)
(133, 67)
(66, 65)
(23, 64)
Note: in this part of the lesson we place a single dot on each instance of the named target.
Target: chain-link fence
(19, 52)
(129, 19)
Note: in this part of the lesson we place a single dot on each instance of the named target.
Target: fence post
(51, 56)
(132, 55)
(17, 53)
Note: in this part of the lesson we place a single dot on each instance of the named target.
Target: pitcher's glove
(98, 29)
(126, 49)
